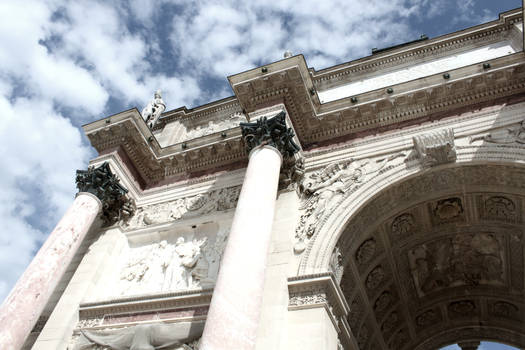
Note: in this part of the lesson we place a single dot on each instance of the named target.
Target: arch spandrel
(473, 208)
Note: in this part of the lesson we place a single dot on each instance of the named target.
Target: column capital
(103, 184)
(272, 132)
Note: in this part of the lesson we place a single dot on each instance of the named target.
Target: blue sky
(66, 63)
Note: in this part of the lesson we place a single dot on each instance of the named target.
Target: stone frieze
(183, 208)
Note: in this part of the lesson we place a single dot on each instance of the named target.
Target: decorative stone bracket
(436, 147)
(103, 184)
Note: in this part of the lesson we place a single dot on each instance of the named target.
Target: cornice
(154, 164)
(289, 82)
(483, 34)
(201, 113)
(146, 303)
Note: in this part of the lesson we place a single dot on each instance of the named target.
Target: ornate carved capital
(272, 132)
(102, 183)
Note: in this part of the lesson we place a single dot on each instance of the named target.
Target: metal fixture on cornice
(264, 69)
(446, 76)
(422, 37)
(353, 99)
(184, 145)
(389, 91)
(312, 91)
(150, 139)
(223, 134)
(108, 121)
(486, 65)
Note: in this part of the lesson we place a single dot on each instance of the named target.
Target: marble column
(235, 307)
(22, 308)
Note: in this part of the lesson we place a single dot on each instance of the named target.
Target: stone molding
(145, 304)
(432, 48)
(127, 132)
(318, 290)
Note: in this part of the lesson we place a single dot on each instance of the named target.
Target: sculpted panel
(323, 190)
(499, 208)
(182, 208)
(463, 259)
(165, 267)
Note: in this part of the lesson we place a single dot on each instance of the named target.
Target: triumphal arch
(378, 204)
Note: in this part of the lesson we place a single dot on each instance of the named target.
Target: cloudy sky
(67, 63)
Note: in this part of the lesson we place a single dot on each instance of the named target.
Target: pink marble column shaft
(235, 307)
(22, 308)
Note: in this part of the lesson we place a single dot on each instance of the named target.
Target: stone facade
(398, 222)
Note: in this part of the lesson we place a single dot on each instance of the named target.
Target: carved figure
(511, 136)
(325, 189)
(190, 254)
(151, 113)
(192, 206)
(463, 259)
(146, 268)
(174, 336)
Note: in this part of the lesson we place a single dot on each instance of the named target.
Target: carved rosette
(272, 132)
(103, 184)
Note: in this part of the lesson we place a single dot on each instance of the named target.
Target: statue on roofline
(151, 113)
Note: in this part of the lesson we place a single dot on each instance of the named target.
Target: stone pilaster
(99, 191)
(235, 308)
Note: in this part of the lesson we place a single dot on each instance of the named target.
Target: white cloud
(56, 56)
(226, 38)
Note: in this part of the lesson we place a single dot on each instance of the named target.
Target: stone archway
(438, 258)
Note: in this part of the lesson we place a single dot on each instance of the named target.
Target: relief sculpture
(463, 259)
(176, 336)
(165, 267)
(182, 208)
(323, 190)
(216, 126)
